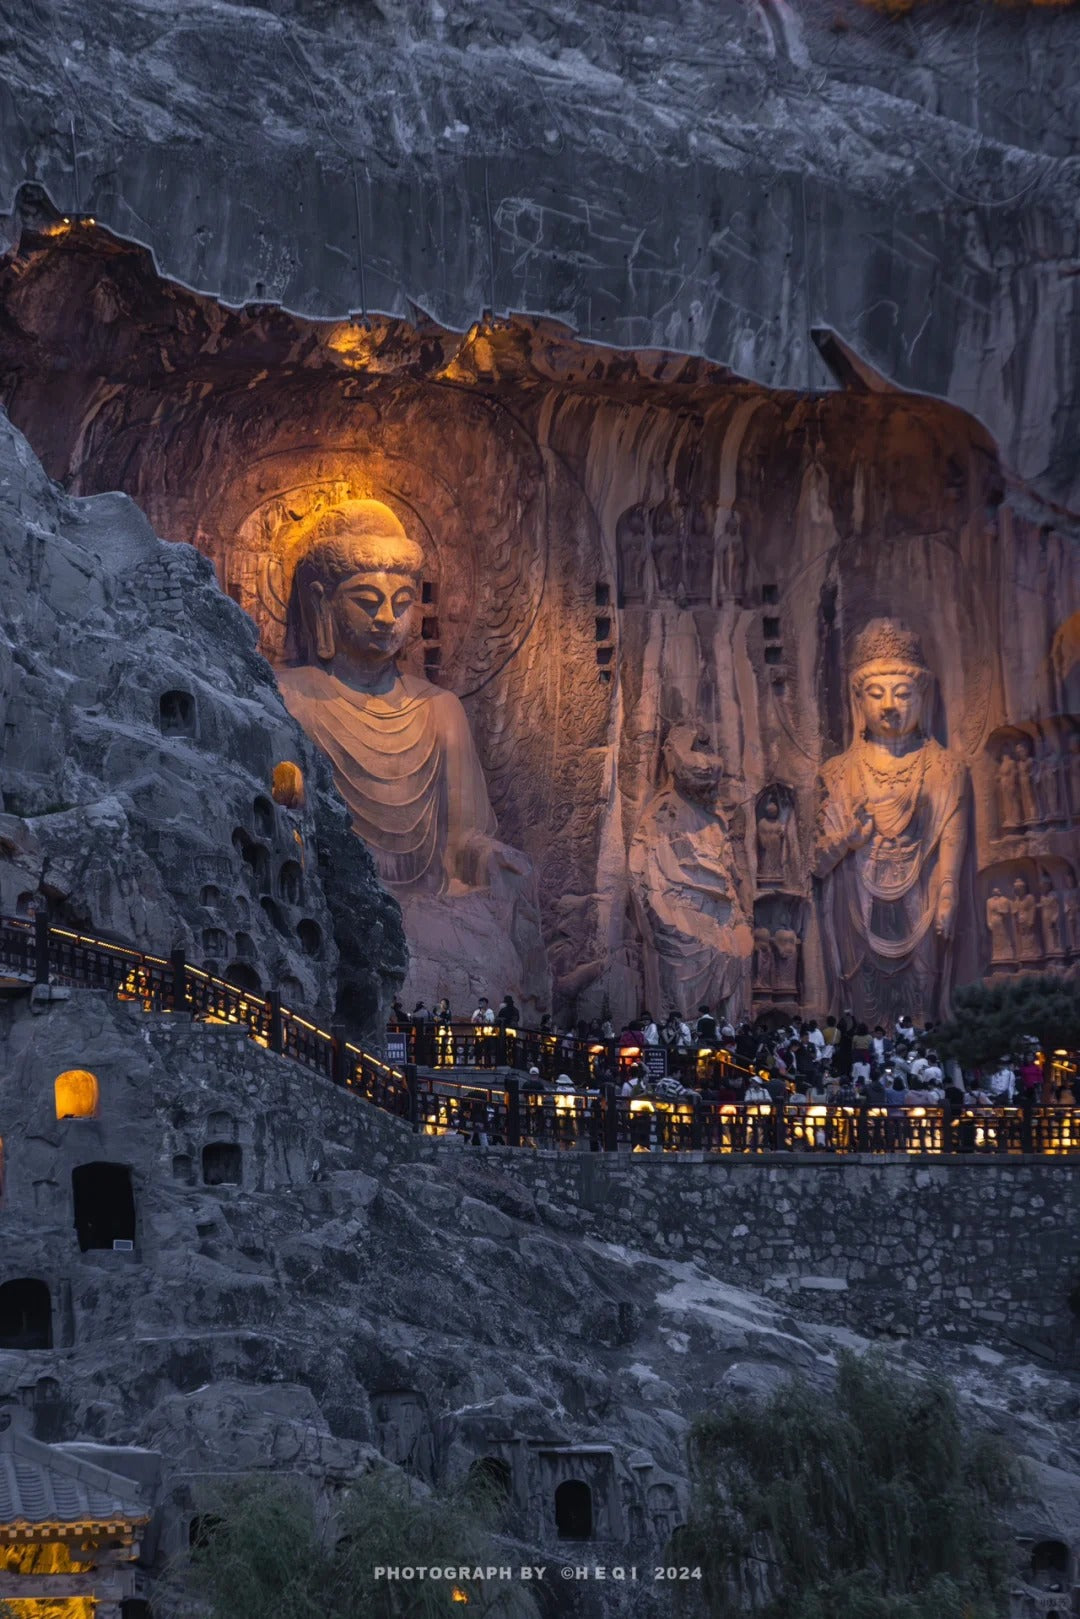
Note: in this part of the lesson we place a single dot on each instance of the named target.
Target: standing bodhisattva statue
(891, 839)
(404, 759)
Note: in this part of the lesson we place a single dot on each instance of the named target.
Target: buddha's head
(1020, 888)
(770, 810)
(692, 762)
(356, 587)
(889, 681)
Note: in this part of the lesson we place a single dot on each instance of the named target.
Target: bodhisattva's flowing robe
(406, 765)
(880, 901)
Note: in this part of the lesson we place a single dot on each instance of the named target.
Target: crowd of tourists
(840, 1061)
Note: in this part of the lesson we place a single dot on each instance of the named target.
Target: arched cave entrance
(25, 1314)
(223, 1164)
(1050, 1565)
(573, 1510)
(729, 544)
(104, 1205)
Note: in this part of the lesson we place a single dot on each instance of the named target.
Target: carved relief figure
(763, 959)
(1026, 922)
(998, 920)
(668, 550)
(699, 556)
(892, 838)
(1048, 783)
(772, 841)
(632, 549)
(1008, 778)
(1029, 802)
(401, 749)
(786, 946)
(1071, 930)
(681, 874)
(1050, 916)
(1072, 770)
(732, 560)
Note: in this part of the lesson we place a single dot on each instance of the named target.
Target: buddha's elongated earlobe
(324, 623)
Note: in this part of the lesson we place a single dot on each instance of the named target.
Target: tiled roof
(41, 1484)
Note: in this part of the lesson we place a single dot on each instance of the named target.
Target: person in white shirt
(483, 1021)
(650, 1034)
(1001, 1083)
(816, 1039)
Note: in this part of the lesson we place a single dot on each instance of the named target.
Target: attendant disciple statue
(1026, 922)
(772, 837)
(892, 839)
(998, 920)
(1008, 778)
(763, 959)
(697, 939)
(1029, 800)
(1050, 916)
(1049, 783)
(1072, 772)
(402, 753)
(786, 946)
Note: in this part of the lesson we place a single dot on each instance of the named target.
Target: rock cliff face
(141, 731)
(718, 177)
(648, 582)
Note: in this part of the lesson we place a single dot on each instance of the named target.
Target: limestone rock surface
(719, 177)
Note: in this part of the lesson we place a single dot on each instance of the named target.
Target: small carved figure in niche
(700, 547)
(786, 947)
(632, 549)
(1050, 916)
(1048, 783)
(668, 550)
(1025, 922)
(999, 920)
(732, 581)
(1072, 770)
(891, 839)
(681, 872)
(1071, 929)
(1029, 800)
(772, 840)
(1008, 780)
(763, 959)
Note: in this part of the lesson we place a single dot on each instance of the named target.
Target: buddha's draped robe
(881, 900)
(405, 764)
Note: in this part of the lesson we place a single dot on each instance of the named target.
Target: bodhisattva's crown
(887, 641)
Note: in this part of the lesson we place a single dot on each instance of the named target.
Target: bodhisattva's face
(373, 615)
(891, 703)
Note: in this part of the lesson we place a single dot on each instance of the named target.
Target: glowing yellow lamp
(77, 1094)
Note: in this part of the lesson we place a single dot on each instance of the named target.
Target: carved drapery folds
(892, 837)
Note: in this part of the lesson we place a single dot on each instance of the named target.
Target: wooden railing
(506, 1109)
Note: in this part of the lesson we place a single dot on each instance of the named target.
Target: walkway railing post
(1027, 1123)
(513, 1112)
(41, 947)
(275, 1032)
(697, 1127)
(779, 1127)
(178, 968)
(412, 1085)
(338, 1054)
(611, 1120)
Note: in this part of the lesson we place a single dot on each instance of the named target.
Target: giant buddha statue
(891, 839)
(404, 760)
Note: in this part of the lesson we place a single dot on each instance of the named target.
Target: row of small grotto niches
(92, 1163)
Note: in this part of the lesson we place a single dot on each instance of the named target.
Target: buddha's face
(891, 702)
(695, 767)
(1020, 888)
(373, 614)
